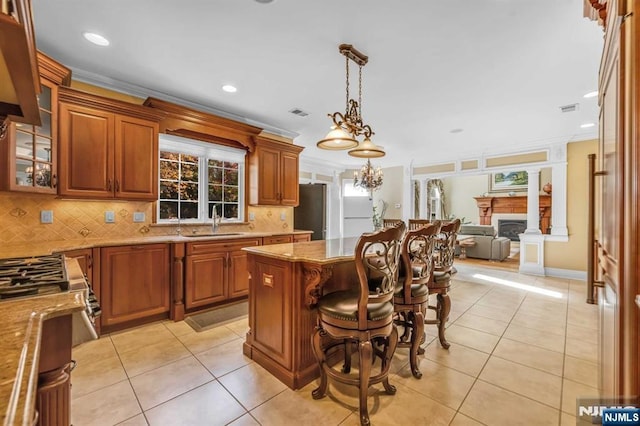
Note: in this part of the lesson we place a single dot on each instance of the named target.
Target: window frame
(204, 151)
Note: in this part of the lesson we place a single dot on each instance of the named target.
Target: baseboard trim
(566, 273)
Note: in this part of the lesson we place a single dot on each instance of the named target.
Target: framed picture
(509, 181)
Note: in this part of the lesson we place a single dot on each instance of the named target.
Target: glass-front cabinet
(35, 148)
(29, 154)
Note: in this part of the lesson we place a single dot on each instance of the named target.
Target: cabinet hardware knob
(109, 188)
(117, 185)
(54, 181)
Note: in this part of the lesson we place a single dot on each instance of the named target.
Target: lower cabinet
(216, 271)
(299, 238)
(135, 282)
(277, 239)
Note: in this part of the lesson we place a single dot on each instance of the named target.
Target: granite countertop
(21, 326)
(323, 251)
(38, 248)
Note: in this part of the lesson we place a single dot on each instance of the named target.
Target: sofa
(487, 244)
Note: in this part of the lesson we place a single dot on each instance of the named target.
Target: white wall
(459, 192)
(392, 192)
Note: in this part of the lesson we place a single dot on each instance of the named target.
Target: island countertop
(319, 251)
(20, 333)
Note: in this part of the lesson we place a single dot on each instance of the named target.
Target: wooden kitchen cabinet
(216, 271)
(135, 283)
(28, 159)
(299, 238)
(277, 239)
(108, 148)
(273, 173)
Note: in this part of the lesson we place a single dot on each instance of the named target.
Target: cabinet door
(269, 176)
(289, 179)
(271, 283)
(135, 282)
(136, 158)
(238, 272)
(30, 151)
(86, 152)
(205, 280)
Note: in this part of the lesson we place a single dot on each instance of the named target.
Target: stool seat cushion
(416, 290)
(343, 305)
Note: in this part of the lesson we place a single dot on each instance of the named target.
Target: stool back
(376, 260)
(445, 246)
(418, 223)
(416, 256)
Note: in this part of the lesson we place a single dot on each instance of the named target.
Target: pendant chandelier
(349, 126)
(368, 178)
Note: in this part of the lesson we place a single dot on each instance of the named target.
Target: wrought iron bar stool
(362, 317)
(411, 297)
(443, 255)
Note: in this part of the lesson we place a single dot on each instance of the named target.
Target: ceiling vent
(569, 108)
(299, 112)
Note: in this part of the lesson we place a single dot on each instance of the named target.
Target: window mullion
(203, 183)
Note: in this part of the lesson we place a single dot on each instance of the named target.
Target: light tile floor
(523, 348)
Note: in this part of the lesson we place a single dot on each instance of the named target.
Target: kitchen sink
(217, 234)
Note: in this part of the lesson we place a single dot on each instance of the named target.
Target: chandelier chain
(347, 73)
(360, 91)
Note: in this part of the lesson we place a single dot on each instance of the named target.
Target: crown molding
(144, 92)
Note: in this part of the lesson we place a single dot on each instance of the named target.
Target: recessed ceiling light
(264, 1)
(456, 130)
(96, 39)
(591, 94)
(587, 125)
(229, 88)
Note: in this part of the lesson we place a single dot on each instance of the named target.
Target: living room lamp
(348, 126)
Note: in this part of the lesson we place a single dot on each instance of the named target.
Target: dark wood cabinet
(108, 148)
(273, 173)
(216, 271)
(28, 158)
(135, 283)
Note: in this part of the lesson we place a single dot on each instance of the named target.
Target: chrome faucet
(215, 220)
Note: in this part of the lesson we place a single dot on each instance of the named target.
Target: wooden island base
(285, 282)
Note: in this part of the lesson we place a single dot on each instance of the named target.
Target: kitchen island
(285, 283)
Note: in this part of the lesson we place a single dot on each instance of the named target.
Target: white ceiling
(499, 69)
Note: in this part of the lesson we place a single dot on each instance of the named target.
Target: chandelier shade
(337, 140)
(349, 126)
(367, 149)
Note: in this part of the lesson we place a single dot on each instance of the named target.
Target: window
(349, 190)
(196, 177)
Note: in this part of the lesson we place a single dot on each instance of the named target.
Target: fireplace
(510, 228)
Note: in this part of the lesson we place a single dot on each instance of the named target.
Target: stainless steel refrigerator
(312, 210)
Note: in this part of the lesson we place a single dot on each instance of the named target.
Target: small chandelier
(348, 126)
(368, 178)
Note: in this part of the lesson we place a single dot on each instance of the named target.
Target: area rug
(218, 316)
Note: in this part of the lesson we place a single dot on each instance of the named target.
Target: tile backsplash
(79, 219)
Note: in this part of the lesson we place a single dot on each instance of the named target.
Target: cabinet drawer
(217, 246)
(277, 239)
(298, 238)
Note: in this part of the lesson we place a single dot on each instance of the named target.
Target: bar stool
(411, 297)
(443, 255)
(362, 317)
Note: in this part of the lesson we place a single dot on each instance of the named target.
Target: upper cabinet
(19, 81)
(108, 148)
(273, 173)
(29, 155)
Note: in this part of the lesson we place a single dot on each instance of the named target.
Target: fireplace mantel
(490, 205)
